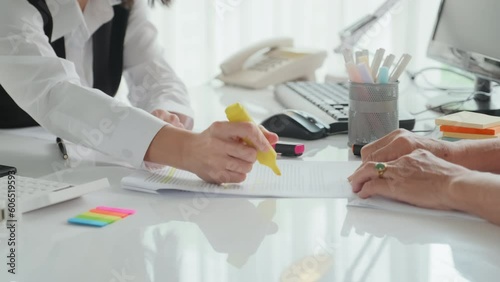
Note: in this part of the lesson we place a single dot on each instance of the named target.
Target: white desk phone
(271, 62)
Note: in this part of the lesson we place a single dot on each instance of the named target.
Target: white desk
(235, 239)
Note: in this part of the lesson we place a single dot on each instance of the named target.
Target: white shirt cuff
(132, 136)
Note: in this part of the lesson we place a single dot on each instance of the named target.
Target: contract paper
(382, 203)
(303, 179)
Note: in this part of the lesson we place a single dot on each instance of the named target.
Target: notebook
(299, 179)
(458, 129)
(469, 119)
(458, 135)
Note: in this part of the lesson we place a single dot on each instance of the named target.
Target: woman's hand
(217, 155)
(175, 119)
(402, 142)
(420, 178)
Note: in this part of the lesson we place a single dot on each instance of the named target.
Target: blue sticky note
(82, 221)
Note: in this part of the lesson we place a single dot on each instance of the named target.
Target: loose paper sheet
(299, 179)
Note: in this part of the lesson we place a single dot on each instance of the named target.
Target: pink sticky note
(111, 209)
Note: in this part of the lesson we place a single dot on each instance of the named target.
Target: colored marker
(400, 67)
(289, 149)
(367, 55)
(356, 149)
(237, 113)
(348, 56)
(383, 75)
(364, 73)
(377, 60)
(388, 61)
(364, 60)
(353, 73)
(358, 54)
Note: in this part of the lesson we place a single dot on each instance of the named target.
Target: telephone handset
(271, 62)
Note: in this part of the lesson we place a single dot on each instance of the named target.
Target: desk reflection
(474, 245)
(233, 226)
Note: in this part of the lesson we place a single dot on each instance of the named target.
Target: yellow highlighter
(237, 113)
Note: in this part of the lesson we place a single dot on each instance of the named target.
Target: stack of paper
(299, 179)
(469, 125)
(399, 207)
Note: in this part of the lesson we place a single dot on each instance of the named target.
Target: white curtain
(199, 34)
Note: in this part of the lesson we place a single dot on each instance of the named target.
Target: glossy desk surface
(180, 236)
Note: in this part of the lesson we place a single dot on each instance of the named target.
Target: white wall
(199, 34)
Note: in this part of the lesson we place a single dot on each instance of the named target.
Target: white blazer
(58, 93)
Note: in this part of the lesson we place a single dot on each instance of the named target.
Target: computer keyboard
(329, 102)
(34, 193)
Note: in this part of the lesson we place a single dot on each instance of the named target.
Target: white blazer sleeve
(48, 88)
(152, 82)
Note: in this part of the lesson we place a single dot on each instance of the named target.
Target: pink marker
(289, 149)
(353, 73)
(118, 210)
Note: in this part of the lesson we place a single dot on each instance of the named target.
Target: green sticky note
(98, 217)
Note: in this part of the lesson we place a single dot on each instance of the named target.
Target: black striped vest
(108, 43)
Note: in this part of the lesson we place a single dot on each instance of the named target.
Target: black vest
(107, 62)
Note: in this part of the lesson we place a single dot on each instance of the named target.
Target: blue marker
(383, 75)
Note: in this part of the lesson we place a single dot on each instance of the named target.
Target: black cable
(428, 131)
(413, 78)
(414, 75)
(439, 108)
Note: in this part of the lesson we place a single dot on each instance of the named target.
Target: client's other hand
(402, 142)
(420, 178)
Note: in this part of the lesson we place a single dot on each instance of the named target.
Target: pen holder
(373, 111)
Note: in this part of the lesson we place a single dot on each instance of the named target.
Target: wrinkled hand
(218, 154)
(402, 142)
(420, 178)
(171, 118)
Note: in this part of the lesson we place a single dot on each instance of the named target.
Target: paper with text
(304, 179)
(399, 207)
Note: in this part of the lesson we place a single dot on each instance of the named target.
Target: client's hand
(420, 178)
(402, 142)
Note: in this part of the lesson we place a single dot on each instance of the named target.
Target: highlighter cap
(237, 113)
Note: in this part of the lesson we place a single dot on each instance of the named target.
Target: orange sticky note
(122, 215)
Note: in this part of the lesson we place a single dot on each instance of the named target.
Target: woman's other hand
(175, 119)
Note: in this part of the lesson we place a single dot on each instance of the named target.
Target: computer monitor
(467, 36)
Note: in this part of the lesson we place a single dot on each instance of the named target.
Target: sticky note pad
(101, 216)
(111, 209)
(98, 217)
(122, 215)
(469, 119)
(82, 221)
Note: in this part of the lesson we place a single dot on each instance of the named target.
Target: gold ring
(380, 168)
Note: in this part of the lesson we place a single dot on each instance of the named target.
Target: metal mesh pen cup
(373, 111)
